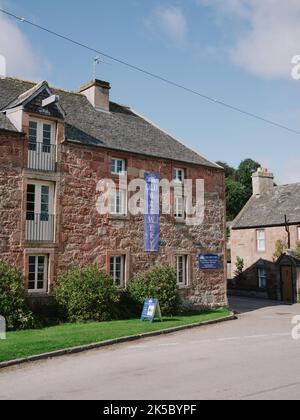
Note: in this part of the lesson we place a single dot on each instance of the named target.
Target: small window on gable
(118, 166)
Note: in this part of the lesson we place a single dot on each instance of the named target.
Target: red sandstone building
(55, 146)
(271, 215)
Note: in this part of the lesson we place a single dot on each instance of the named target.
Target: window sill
(118, 217)
(180, 221)
(183, 287)
(37, 294)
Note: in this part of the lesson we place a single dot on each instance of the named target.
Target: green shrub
(47, 311)
(296, 252)
(13, 305)
(127, 307)
(86, 294)
(159, 283)
(240, 264)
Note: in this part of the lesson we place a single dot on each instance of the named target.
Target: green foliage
(13, 299)
(236, 197)
(244, 174)
(238, 185)
(229, 171)
(280, 247)
(159, 283)
(240, 264)
(47, 311)
(86, 294)
(296, 252)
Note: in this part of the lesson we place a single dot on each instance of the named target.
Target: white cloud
(268, 36)
(170, 21)
(21, 59)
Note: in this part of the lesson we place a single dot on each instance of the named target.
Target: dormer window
(118, 166)
(41, 146)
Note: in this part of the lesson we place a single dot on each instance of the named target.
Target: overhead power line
(153, 75)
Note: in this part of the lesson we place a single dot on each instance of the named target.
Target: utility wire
(153, 75)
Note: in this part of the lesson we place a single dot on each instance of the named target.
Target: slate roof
(270, 208)
(121, 129)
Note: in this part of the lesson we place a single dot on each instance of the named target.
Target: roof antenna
(96, 61)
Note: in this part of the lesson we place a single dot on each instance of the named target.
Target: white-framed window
(179, 175)
(117, 269)
(262, 278)
(118, 201)
(38, 273)
(40, 219)
(179, 207)
(118, 166)
(182, 270)
(261, 240)
(298, 233)
(41, 132)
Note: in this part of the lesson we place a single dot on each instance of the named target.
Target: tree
(296, 252)
(240, 265)
(244, 174)
(236, 196)
(238, 185)
(280, 247)
(229, 171)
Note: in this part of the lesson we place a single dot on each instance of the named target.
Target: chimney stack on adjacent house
(97, 92)
(262, 181)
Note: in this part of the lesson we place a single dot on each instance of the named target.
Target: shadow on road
(243, 305)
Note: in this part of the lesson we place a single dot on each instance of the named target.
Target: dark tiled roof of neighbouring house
(5, 123)
(270, 208)
(121, 129)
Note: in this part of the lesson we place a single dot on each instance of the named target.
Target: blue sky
(238, 51)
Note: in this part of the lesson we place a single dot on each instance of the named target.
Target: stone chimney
(97, 92)
(262, 181)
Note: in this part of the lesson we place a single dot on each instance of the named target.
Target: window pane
(30, 205)
(45, 203)
(46, 138)
(116, 270)
(117, 166)
(179, 175)
(181, 267)
(32, 143)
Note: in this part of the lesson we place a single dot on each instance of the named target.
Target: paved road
(252, 358)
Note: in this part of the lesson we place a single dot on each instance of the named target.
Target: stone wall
(83, 236)
(11, 164)
(87, 237)
(243, 244)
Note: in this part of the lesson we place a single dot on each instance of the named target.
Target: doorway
(287, 284)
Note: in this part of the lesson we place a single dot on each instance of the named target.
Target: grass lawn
(33, 342)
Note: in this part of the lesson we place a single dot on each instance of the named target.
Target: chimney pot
(97, 93)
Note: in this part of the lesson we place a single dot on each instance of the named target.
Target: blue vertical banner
(151, 212)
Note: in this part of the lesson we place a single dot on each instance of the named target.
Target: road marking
(168, 345)
(250, 337)
(140, 347)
